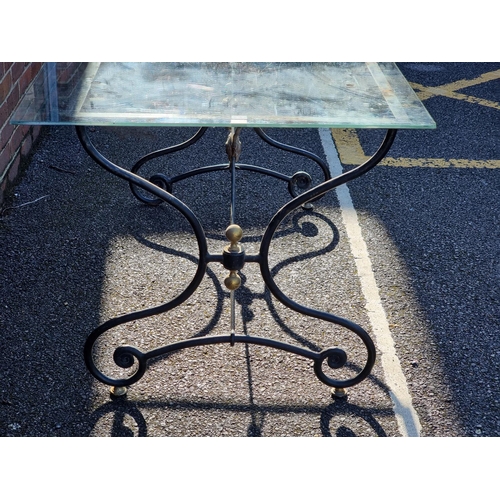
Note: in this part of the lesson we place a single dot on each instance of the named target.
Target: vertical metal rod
(233, 183)
(233, 158)
(232, 221)
(232, 215)
(233, 316)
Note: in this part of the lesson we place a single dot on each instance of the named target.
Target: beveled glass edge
(318, 125)
(155, 120)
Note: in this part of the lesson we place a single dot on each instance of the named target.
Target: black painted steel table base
(158, 189)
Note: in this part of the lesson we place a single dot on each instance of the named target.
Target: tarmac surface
(78, 249)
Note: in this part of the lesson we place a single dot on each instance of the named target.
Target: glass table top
(341, 95)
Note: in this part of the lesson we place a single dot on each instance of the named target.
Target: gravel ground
(89, 251)
(86, 250)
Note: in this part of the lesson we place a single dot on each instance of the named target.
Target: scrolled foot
(339, 392)
(118, 392)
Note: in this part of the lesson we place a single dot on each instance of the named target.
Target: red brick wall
(15, 140)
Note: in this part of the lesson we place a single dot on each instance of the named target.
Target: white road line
(406, 416)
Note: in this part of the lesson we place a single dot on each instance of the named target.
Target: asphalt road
(86, 250)
(433, 235)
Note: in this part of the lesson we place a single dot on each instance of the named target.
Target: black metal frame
(298, 181)
(160, 186)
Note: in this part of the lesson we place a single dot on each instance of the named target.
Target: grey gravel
(90, 251)
(87, 251)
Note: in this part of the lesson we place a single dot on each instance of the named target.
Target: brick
(35, 68)
(5, 86)
(14, 168)
(36, 132)
(17, 70)
(13, 99)
(26, 146)
(5, 134)
(62, 73)
(4, 159)
(3, 113)
(16, 139)
(25, 80)
(6, 66)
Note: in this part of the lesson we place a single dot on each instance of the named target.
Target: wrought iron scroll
(336, 357)
(127, 356)
(161, 179)
(297, 182)
(123, 358)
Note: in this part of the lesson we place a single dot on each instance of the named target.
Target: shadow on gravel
(245, 296)
(55, 258)
(335, 419)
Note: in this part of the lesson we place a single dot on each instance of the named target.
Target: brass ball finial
(233, 256)
(234, 233)
(233, 281)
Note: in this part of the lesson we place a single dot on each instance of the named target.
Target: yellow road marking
(449, 89)
(348, 146)
(462, 84)
(351, 152)
(427, 92)
(439, 163)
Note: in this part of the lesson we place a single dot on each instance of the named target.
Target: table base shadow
(233, 258)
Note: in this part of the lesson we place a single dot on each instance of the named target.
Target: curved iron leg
(275, 290)
(126, 359)
(300, 180)
(162, 180)
(293, 149)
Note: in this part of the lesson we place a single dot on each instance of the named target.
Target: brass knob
(233, 253)
(234, 233)
(233, 281)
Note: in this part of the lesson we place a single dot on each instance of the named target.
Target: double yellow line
(351, 152)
